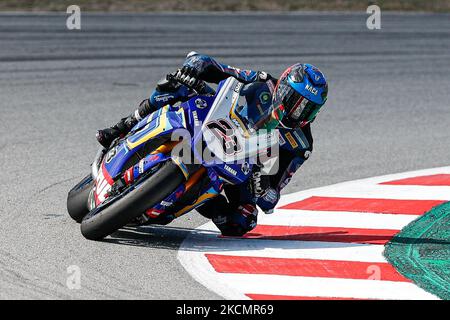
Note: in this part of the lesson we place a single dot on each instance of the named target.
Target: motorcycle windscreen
(254, 108)
(231, 137)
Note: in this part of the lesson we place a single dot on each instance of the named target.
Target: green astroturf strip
(421, 251)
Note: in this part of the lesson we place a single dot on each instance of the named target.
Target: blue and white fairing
(232, 146)
(212, 124)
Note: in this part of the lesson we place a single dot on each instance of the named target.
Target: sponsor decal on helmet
(298, 108)
(311, 89)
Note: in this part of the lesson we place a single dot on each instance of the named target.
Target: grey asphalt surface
(388, 111)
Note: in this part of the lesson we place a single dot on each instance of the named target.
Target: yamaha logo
(200, 103)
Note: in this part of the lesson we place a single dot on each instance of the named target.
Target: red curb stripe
(326, 234)
(432, 180)
(255, 296)
(305, 267)
(413, 207)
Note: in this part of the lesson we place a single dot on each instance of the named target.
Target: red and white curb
(323, 243)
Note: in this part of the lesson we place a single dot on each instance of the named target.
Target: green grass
(224, 5)
(421, 251)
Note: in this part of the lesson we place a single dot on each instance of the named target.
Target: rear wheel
(135, 203)
(77, 199)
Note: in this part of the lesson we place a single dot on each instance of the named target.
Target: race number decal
(223, 131)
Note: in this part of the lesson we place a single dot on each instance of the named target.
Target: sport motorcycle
(173, 161)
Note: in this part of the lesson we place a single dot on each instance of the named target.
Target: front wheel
(77, 199)
(152, 191)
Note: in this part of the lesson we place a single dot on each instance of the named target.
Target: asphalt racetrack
(388, 111)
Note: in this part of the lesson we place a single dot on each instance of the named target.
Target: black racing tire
(77, 199)
(133, 204)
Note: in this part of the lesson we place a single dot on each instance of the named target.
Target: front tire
(77, 199)
(119, 213)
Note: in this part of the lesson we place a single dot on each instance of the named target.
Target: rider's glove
(268, 200)
(194, 66)
(189, 76)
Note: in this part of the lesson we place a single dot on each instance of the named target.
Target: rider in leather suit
(297, 97)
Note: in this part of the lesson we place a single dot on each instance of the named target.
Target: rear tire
(77, 199)
(119, 213)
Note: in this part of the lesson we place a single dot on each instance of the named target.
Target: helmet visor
(298, 110)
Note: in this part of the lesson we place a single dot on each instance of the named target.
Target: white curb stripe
(323, 287)
(364, 220)
(385, 192)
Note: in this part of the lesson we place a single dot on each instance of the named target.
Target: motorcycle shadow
(151, 236)
(207, 240)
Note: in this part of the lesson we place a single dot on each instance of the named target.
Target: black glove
(189, 76)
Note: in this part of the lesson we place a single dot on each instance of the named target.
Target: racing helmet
(299, 95)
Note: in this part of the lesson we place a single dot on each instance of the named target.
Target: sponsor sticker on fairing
(200, 103)
(230, 170)
(141, 166)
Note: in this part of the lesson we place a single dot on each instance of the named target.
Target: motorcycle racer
(297, 97)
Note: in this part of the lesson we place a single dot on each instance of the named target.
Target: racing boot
(106, 136)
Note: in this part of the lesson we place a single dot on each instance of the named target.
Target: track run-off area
(323, 243)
